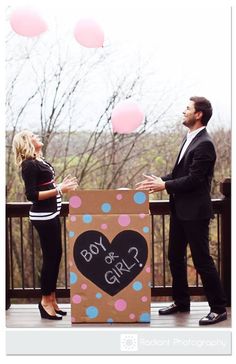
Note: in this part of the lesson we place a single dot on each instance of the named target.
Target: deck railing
(22, 249)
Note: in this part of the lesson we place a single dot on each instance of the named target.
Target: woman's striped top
(39, 175)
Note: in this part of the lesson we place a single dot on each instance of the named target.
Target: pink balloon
(27, 22)
(126, 117)
(89, 33)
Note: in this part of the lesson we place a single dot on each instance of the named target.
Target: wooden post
(225, 189)
(7, 281)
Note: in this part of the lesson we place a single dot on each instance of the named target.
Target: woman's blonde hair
(23, 147)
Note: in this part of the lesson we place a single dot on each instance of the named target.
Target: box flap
(104, 202)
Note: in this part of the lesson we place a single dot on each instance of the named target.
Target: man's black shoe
(173, 309)
(213, 318)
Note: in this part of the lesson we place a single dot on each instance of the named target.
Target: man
(189, 187)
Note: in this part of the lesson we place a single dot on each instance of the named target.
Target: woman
(41, 189)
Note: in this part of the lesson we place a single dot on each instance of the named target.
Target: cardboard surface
(108, 202)
(110, 258)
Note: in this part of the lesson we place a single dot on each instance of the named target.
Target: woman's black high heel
(60, 312)
(46, 315)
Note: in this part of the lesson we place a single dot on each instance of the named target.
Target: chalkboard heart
(110, 266)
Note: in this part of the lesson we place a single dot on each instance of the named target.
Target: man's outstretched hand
(151, 184)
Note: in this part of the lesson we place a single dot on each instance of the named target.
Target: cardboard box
(109, 238)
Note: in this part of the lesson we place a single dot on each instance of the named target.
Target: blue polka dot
(144, 317)
(137, 286)
(106, 207)
(87, 219)
(110, 320)
(98, 295)
(139, 197)
(146, 229)
(73, 278)
(92, 312)
(71, 234)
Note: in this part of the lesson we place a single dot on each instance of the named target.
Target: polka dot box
(109, 238)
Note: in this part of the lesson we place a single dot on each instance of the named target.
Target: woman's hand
(68, 184)
(151, 183)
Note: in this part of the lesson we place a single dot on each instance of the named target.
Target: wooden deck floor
(27, 316)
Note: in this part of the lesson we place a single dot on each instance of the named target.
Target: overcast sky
(191, 45)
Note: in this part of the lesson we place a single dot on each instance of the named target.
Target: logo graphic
(128, 342)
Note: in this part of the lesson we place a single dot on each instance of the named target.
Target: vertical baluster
(218, 244)
(22, 253)
(225, 189)
(11, 255)
(153, 255)
(8, 300)
(33, 253)
(164, 250)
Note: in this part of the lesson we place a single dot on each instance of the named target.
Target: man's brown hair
(203, 105)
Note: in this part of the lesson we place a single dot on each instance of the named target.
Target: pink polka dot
(104, 226)
(144, 299)
(84, 286)
(75, 201)
(119, 196)
(132, 316)
(148, 270)
(124, 220)
(70, 263)
(76, 298)
(142, 216)
(120, 305)
(73, 218)
(72, 319)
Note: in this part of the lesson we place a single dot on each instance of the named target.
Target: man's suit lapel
(203, 131)
(183, 142)
(189, 146)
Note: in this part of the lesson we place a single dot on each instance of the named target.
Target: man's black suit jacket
(189, 184)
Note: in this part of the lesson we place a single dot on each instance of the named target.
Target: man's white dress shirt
(190, 136)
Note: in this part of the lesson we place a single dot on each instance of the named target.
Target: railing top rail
(157, 207)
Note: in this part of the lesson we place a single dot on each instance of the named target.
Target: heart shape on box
(110, 266)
